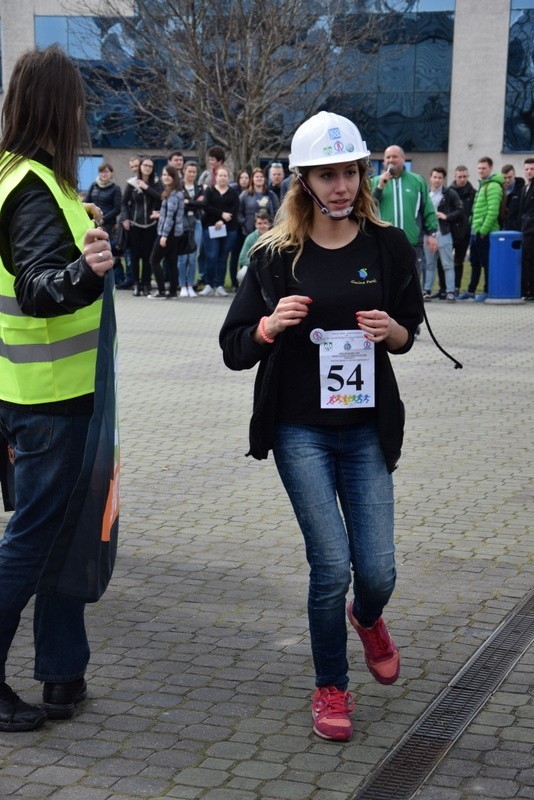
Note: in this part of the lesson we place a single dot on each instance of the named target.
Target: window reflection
(407, 81)
(403, 95)
(519, 106)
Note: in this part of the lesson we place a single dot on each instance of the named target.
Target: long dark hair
(152, 177)
(44, 108)
(175, 185)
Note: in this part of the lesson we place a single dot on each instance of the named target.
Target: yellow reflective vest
(43, 360)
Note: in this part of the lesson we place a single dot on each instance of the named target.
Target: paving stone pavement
(201, 678)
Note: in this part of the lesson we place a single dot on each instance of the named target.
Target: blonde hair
(293, 221)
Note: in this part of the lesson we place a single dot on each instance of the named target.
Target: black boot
(16, 715)
(59, 699)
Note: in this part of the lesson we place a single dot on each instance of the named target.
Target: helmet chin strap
(335, 215)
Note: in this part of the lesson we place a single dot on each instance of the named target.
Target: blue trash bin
(504, 284)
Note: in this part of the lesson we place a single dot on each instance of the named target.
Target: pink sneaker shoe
(381, 654)
(330, 709)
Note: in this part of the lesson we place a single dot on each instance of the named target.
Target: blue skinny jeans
(342, 495)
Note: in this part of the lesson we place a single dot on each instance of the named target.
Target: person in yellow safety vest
(52, 265)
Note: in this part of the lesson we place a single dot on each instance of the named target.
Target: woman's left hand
(97, 251)
(94, 212)
(377, 325)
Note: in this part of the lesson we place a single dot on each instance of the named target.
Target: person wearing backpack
(485, 220)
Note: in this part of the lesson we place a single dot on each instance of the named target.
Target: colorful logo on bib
(363, 273)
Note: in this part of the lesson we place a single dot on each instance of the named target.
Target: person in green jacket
(404, 201)
(484, 221)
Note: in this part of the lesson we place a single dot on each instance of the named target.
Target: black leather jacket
(36, 245)
(451, 205)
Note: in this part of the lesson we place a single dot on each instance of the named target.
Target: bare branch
(242, 73)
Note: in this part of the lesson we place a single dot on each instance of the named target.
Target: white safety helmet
(326, 138)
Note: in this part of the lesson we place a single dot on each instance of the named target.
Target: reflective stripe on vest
(44, 360)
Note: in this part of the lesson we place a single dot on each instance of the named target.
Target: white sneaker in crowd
(220, 291)
(207, 291)
(191, 292)
(183, 292)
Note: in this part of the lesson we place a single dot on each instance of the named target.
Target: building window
(519, 105)
(403, 95)
(87, 171)
(80, 37)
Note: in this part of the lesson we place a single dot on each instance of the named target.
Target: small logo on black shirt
(363, 274)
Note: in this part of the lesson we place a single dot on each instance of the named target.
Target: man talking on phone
(403, 200)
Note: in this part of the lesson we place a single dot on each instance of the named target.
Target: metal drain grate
(419, 752)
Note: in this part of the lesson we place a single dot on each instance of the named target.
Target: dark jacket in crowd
(108, 199)
(460, 228)
(512, 220)
(450, 205)
(526, 210)
(138, 204)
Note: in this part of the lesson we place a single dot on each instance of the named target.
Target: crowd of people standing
(152, 219)
(184, 230)
(444, 222)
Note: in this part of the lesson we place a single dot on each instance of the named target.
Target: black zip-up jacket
(108, 199)
(526, 211)
(264, 284)
(460, 227)
(138, 204)
(450, 205)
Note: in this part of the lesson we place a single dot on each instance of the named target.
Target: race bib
(346, 367)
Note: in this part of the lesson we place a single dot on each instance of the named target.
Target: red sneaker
(381, 654)
(330, 709)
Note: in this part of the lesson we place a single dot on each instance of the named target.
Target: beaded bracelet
(261, 329)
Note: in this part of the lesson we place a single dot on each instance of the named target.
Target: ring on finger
(101, 255)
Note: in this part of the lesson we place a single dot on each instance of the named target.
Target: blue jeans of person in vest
(342, 496)
(48, 457)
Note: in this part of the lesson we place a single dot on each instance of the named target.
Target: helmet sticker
(334, 133)
(339, 146)
(327, 151)
(350, 147)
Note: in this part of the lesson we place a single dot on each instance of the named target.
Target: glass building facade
(401, 95)
(403, 92)
(519, 106)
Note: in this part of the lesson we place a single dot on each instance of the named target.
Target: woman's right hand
(289, 312)
(126, 224)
